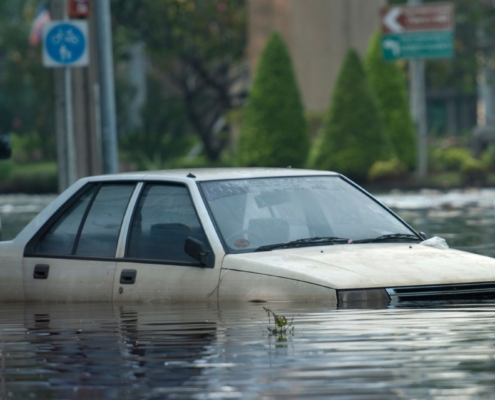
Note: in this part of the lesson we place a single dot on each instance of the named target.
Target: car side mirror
(197, 249)
(423, 235)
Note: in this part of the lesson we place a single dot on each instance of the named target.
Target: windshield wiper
(392, 236)
(303, 242)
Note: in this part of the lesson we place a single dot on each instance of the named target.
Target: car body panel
(69, 280)
(166, 283)
(367, 265)
(12, 279)
(241, 286)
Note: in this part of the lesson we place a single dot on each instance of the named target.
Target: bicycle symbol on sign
(67, 37)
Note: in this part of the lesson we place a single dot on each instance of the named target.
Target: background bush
(473, 172)
(273, 130)
(353, 138)
(488, 158)
(382, 171)
(449, 159)
(389, 86)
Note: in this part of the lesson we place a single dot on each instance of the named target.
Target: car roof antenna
(189, 175)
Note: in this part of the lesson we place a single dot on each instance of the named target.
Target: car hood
(367, 265)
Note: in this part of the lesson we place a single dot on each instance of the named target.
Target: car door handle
(41, 271)
(128, 276)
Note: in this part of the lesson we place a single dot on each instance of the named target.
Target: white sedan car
(211, 235)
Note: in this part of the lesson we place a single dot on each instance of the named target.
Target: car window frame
(125, 258)
(336, 176)
(31, 244)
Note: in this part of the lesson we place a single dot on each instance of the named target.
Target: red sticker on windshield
(241, 243)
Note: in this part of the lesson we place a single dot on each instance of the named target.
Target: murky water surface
(217, 351)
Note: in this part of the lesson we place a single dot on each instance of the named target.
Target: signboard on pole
(78, 8)
(65, 44)
(419, 31)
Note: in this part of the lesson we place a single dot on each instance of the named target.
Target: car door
(72, 257)
(154, 266)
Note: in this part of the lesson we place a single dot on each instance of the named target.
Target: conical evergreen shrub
(352, 138)
(388, 84)
(273, 130)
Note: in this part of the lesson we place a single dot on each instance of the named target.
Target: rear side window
(165, 217)
(90, 227)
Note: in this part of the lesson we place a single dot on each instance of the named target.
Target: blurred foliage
(388, 83)
(274, 131)
(353, 138)
(28, 178)
(488, 158)
(197, 51)
(26, 87)
(388, 170)
(314, 121)
(163, 136)
(473, 172)
(27, 147)
(448, 159)
(6, 167)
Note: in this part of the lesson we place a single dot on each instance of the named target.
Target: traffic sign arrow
(417, 18)
(390, 20)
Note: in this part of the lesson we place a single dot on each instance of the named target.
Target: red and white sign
(424, 17)
(78, 8)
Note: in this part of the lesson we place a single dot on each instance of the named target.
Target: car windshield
(252, 214)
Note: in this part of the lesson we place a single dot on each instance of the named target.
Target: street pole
(417, 94)
(69, 126)
(64, 121)
(107, 86)
(57, 11)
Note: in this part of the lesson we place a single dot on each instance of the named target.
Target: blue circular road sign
(65, 43)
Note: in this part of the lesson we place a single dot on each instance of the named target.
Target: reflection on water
(437, 351)
(143, 352)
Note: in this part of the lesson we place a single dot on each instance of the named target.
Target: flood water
(434, 351)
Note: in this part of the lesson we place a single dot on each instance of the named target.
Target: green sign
(438, 44)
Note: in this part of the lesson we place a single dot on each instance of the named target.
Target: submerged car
(230, 235)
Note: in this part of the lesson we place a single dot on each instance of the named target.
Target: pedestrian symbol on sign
(65, 44)
(65, 54)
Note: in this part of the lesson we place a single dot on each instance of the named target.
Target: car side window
(60, 238)
(164, 218)
(100, 232)
(90, 227)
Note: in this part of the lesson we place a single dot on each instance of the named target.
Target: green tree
(273, 131)
(197, 51)
(388, 84)
(26, 105)
(353, 137)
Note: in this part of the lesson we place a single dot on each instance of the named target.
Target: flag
(42, 16)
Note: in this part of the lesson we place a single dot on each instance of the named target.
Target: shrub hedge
(353, 138)
(273, 130)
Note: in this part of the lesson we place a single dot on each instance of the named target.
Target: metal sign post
(65, 45)
(107, 87)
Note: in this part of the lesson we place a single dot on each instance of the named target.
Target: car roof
(211, 174)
